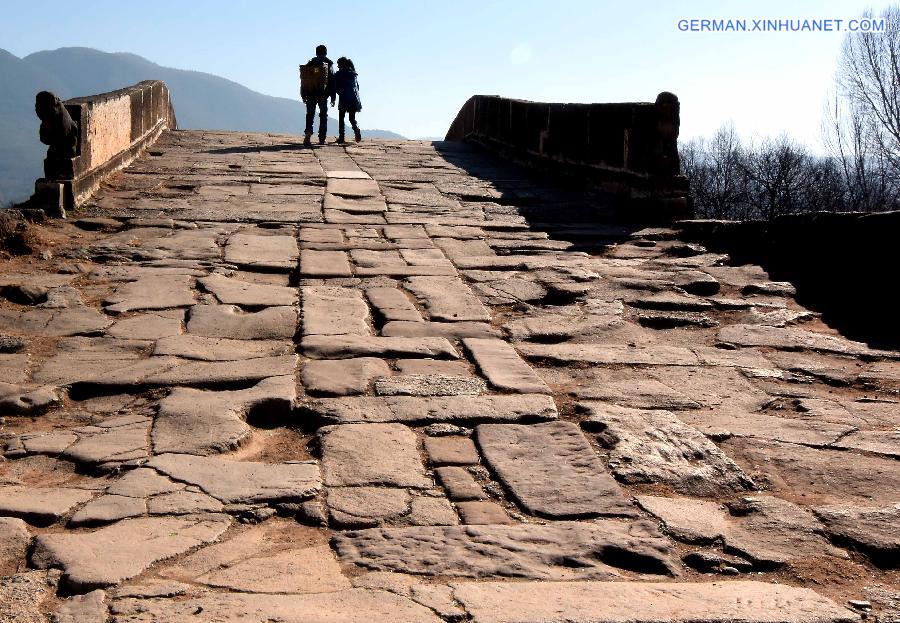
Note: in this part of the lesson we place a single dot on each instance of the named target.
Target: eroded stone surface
(656, 447)
(520, 551)
(371, 454)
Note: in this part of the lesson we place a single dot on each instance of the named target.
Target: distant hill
(201, 100)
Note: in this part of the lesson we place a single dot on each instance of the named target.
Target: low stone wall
(630, 149)
(113, 129)
(843, 265)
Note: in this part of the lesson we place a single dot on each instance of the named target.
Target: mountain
(201, 100)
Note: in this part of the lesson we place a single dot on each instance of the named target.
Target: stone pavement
(405, 381)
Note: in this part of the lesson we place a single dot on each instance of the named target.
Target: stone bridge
(421, 382)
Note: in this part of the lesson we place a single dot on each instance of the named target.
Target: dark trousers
(322, 103)
(352, 114)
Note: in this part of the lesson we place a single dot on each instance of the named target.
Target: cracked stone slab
(228, 321)
(266, 252)
(151, 293)
(551, 470)
(414, 410)
(193, 421)
(113, 440)
(503, 368)
(89, 608)
(646, 602)
(147, 326)
(460, 485)
(41, 506)
(346, 346)
(334, 311)
(342, 377)
(230, 291)
(25, 400)
(115, 553)
(561, 550)
(371, 454)
(763, 529)
(241, 482)
(350, 606)
(447, 299)
(366, 507)
(23, 594)
(656, 447)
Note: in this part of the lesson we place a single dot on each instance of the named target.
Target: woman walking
(347, 88)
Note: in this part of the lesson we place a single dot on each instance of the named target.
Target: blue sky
(419, 61)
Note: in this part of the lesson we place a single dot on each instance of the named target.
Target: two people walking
(319, 83)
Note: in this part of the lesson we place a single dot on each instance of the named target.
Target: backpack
(313, 78)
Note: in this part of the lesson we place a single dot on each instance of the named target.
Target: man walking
(316, 87)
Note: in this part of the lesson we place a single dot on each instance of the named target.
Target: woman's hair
(342, 62)
(347, 63)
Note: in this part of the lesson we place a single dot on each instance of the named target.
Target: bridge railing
(630, 149)
(113, 129)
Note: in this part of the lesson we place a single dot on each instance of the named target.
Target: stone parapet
(630, 149)
(113, 128)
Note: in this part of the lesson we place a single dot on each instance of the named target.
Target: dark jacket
(347, 87)
(329, 91)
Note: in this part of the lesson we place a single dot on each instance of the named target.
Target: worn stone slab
(89, 608)
(356, 204)
(350, 606)
(459, 484)
(342, 377)
(520, 551)
(646, 602)
(656, 447)
(449, 330)
(220, 349)
(146, 326)
(504, 369)
(482, 513)
(451, 451)
(447, 298)
(404, 270)
(790, 338)
(324, 264)
(14, 542)
(450, 409)
(228, 321)
(27, 400)
(23, 594)
(241, 482)
(40, 506)
(874, 531)
(371, 454)
(551, 470)
(432, 366)
(151, 293)
(347, 346)
(120, 551)
(334, 311)
(230, 291)
(262, 252)
(107, 509)
(55, 322)
(610, 354)
(393, 304)
(193, 421)
(637, 393)
(366, 507)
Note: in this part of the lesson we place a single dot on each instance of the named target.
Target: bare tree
(779, 174)
(863, 121)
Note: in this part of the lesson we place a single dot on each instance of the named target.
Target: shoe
(340, 140)
(357, 134)
(321, 140)
(307, 142)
